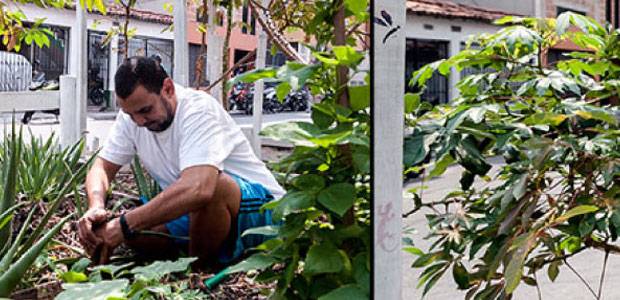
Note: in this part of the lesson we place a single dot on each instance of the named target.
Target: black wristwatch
(128, 233)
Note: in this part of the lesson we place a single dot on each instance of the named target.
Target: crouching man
(213, 183)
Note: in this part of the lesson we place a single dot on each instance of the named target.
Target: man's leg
(151, 247)
(210, 226)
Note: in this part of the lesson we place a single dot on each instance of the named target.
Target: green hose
(216, 279)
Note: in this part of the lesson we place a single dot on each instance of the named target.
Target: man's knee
(226, 190)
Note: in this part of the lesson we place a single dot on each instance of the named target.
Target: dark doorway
(419, 53)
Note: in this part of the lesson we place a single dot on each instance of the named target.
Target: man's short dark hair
(139, 70)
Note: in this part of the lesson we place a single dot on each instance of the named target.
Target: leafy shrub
(558, 189)
(321, 249)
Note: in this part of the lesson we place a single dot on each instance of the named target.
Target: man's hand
(92, 218)
(111, 235)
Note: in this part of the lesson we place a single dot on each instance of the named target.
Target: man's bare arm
(98, 181)
(193, 190)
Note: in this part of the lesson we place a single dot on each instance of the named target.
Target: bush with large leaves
(558, 190)
(321, 248)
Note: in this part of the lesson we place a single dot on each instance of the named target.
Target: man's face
(150, 110)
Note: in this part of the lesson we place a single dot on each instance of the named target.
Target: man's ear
(168, 87)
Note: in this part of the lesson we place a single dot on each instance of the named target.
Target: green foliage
(147, 282)
(19, 252)
(45, 168)
(556, 128)
(147, 187)
(321, 248)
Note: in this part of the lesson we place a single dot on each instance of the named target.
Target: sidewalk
(567, 285)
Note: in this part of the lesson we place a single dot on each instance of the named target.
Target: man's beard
(163, 125)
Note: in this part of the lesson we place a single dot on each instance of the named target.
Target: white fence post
(259, 86)
(387, 113)
(113, 67)
(69, 112)
(181, 48)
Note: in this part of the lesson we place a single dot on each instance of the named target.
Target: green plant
(322, 247)
(19, 252)
(557, 191)
(148, 282)
(45, 168)
(147, 187)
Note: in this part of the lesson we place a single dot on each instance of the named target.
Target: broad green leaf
(441, 165)
(103, 290)
(338, 197)
(73, 277)
(252, 76)
(257, 261)
(412, 102)
(158, 269)
(263, 230)
(461, 276)
(576, 211)
(553, 270)
(282, 91)
(357, 7)
(346, 292)
(293, 202)
(292, 132)
(545, 118)
(309, 182)
(414, 251)
(323, 258)
(359, 97)
(347, 55)
(514, 270)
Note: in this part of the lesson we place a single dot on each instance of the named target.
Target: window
(143, 46)
(419, 53)
(53, 59)
(248, 21)
(561, 10)
(98, 59)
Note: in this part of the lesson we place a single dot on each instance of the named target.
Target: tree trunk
(342, 94)
(226, 51)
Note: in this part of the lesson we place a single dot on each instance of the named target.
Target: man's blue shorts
(253, 196)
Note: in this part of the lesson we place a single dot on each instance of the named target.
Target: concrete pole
(113, 67)
(261, 50)
(69, 134)
(214, 53)
(387, 182)
(181, 48)
(79, 67)
(539, 8)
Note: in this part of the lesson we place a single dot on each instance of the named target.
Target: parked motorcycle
(270, 100)
(39, 83)
(297, 100)
(238, 97)
(96, 92)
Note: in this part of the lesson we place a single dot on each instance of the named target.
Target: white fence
(65, 99)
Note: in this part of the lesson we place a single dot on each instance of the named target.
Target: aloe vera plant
(19, 252)
(45, 168)
(146, 188)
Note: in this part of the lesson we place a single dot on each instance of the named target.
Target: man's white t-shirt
(202, 133)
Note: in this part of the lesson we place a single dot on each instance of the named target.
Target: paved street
(566, 287)
(98, 124)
